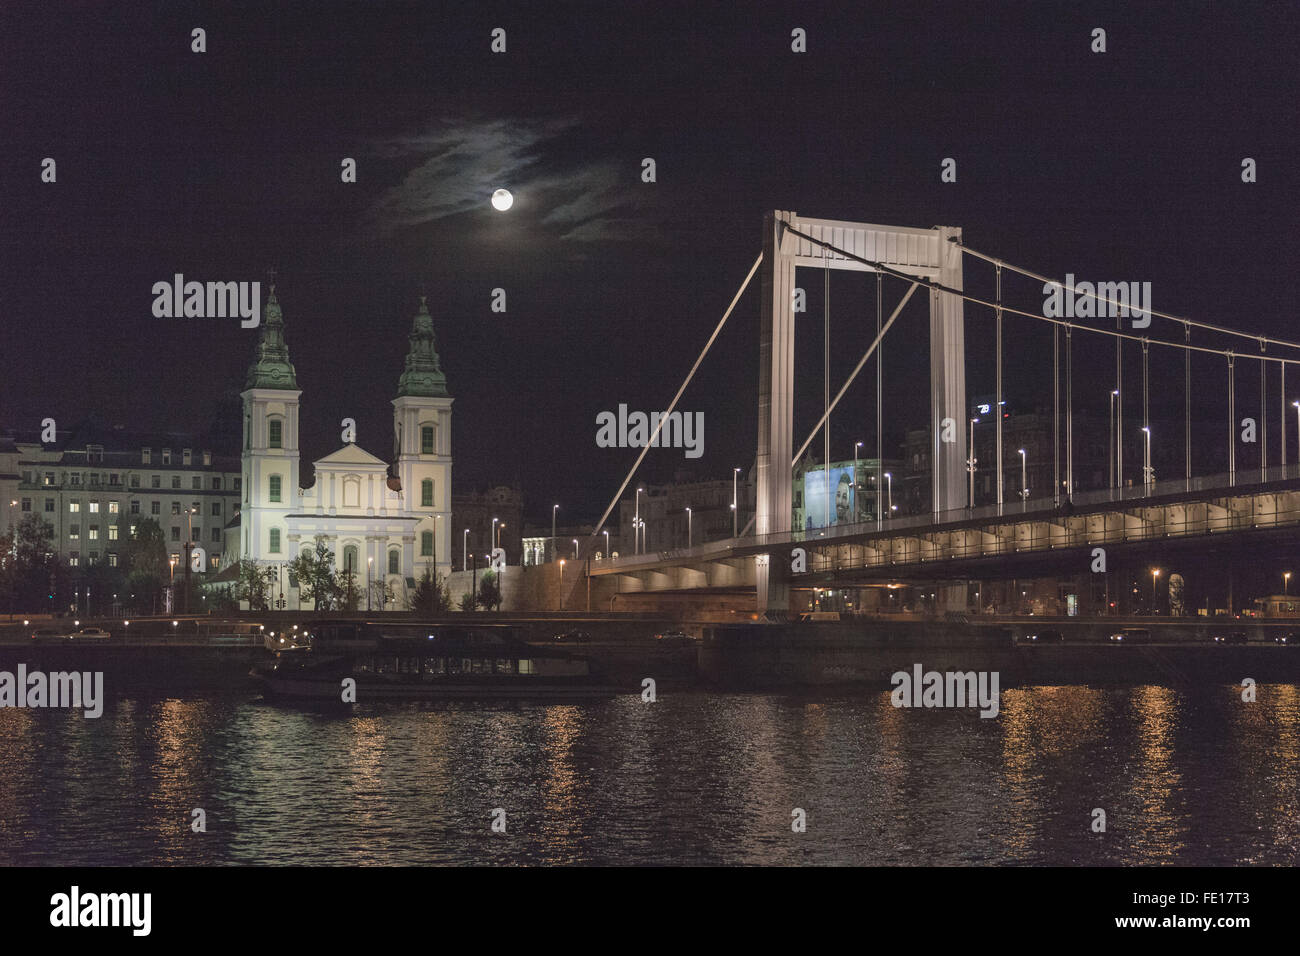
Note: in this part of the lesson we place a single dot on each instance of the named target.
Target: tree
(432, 595)
(28, 563)
(252, 585)
(351, 597)
(489, 591)
(318, 581)
(467, 602)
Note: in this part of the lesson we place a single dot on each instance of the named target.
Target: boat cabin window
(526, 666)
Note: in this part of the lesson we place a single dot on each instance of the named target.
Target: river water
(1190, 777)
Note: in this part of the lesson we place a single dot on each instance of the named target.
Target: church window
(393, 562)
(350, 558)
(275, 487)
(426, 544)
(276, 428)
(426, 439)
(275, 540)
(426, 493)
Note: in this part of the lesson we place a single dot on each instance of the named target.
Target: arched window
(394, 562)
(426, 493)
(350, 558)
(275, 433)
(275, 487)
(426, 440)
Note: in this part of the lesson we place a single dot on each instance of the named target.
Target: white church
(381, 527)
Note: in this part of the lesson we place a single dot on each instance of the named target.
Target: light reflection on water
(1190, 777)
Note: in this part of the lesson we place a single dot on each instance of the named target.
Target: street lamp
(736, 504)
(575, 549)
(494, 531)
(971, 462)
(464, 550)
(889, 486)
(1286, 582)
(561, 595)
(1113, 395)
(688, 527)
(370, 564)
(855, 481)
(607, 554)
(1024, 479)
(1155, 573)
(1148, 475)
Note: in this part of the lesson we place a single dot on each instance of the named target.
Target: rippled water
(1184, 777)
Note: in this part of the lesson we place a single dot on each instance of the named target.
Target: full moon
(502, 200)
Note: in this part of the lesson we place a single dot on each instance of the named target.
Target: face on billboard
(814, 496)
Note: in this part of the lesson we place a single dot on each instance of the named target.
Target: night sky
(1117, 166)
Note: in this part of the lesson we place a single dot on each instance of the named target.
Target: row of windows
(350, 552)
(274, 492)
(74, 559)
(74, 507)
(187, 457)
(73, 479)
(92, 533)
(431, 667)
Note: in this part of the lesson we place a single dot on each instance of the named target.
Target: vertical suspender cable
(1263, 414)
(1232, 425)
(1056, 414)
(1148, 467)
(1069, 414)
(998, 406)
(1281, 422)
(826, 379)
(1187, 401)
(1119, 407)
(880, 359)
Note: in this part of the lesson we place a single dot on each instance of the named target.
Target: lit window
(94, 507)
(74, 507)
(112, 532)
(146, 456)
(112, 507)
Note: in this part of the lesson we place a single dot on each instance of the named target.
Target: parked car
(1230, 637)
(1043, 637)
(1131, 635)
(90, 634)
(49, 635)
(573, 637)
(673, 637)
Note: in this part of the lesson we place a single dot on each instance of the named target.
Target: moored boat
(404, 661)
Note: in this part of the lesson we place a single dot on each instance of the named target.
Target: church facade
(385, 521)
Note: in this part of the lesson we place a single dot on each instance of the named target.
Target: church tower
(270, 453)
(422, 448)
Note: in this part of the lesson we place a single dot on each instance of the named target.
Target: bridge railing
(1242, 481)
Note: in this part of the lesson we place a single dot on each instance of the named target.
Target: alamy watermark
(951, 689)
(1084, 300)
(76, 909)
(75, 689)
(208, 300)
(626, 429)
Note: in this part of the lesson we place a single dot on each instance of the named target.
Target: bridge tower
(925, 253)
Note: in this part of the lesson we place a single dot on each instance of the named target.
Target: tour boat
(402, 661)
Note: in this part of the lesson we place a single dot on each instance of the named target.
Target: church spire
(271, 367)
(423, 373)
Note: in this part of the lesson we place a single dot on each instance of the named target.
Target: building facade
(94, 483)
(386, 522)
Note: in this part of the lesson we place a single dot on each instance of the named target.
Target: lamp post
(889, 486)
(971, 462)
(607, 554)
(1155, 573)
(1286, 582)
(855, 481)
(464, 550)
(1147, 474)
(688, 527)
(493, 538)
(575, 549)
(554, 509)
(1111, 447)
(1024, 477)
(560, 601)
(736, 502)
(370, 564)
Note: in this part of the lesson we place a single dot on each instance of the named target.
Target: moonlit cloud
(454, 168)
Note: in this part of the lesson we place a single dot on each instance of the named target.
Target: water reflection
(1184, 777)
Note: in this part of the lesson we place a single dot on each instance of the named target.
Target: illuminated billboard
(841, 497)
